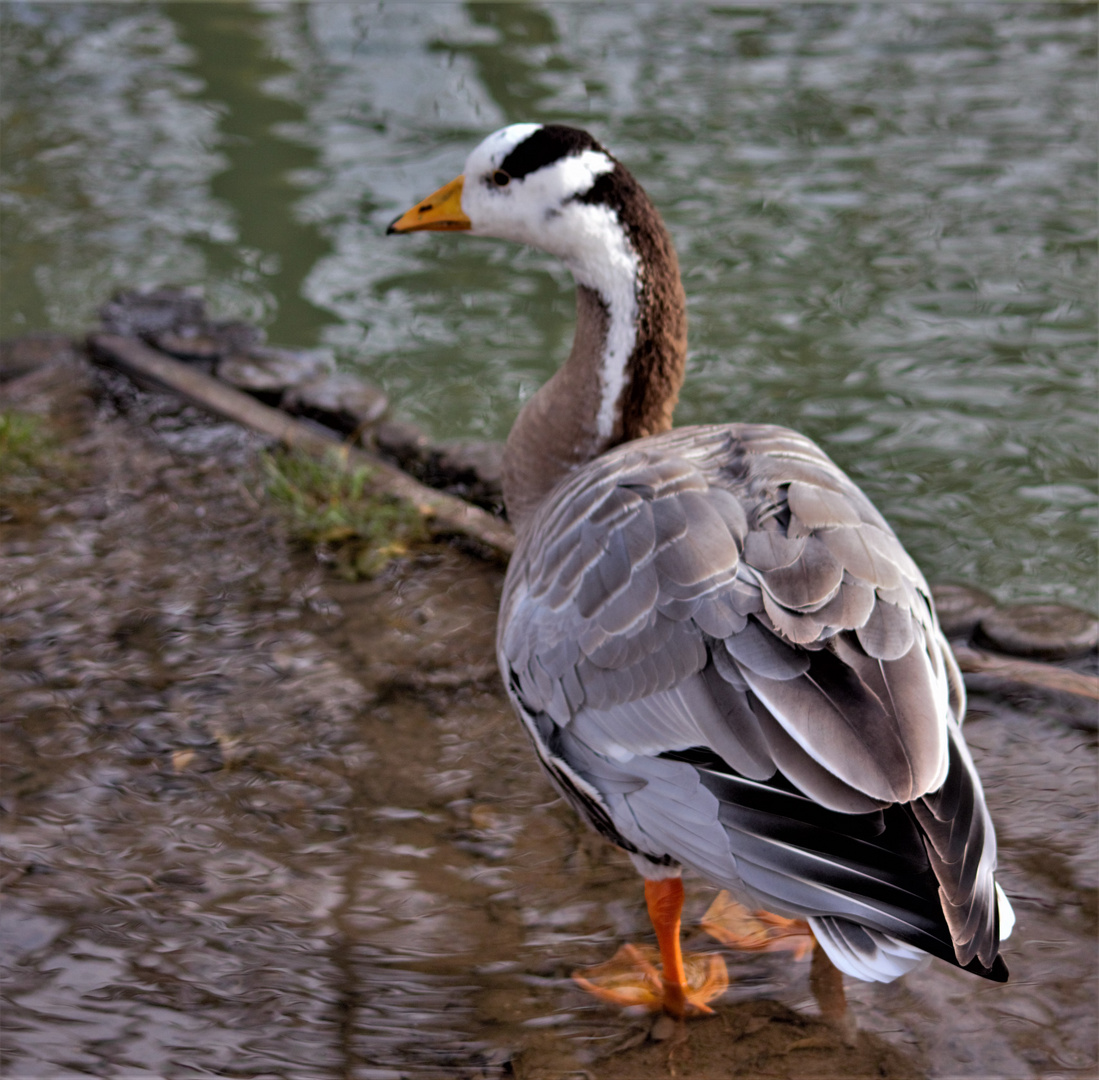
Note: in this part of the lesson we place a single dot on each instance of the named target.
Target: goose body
(723, 655)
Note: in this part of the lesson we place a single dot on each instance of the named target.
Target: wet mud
(262, 822)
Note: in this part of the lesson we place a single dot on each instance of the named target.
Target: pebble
(405, 443)
(960, 608)
(266, 370)
(193, 346)
(340, 401)
(470, 468)
(1041, 631)
(208, 342)
(142, 313)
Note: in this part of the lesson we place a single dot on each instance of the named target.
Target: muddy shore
(263, 822)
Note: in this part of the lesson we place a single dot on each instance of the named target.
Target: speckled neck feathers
(622, 378)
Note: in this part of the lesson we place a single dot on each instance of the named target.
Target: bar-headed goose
(724, 657)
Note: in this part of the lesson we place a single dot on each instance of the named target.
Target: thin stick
(1028, 672)
(445, 514)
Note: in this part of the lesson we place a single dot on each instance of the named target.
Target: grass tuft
(328, 506)
(29, 454)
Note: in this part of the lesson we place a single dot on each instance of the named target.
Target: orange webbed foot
(632, 979)
(734, 925)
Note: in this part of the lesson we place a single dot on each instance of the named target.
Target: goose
(722, 654)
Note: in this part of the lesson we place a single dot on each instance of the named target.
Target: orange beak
(441, 211)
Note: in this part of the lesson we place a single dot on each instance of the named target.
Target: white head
(537, 184)
(523, 184)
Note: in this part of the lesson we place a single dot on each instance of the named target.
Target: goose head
(557, 189)
(529, 183)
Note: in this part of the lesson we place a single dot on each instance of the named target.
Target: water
(260, 823)
(885, 215)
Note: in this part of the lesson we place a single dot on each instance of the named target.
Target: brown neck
(558, 430)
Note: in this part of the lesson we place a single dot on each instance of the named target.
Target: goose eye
(500, 178)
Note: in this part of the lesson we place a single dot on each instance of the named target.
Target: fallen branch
(445, 514)
(1027, 672)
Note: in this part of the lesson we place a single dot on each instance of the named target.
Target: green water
(886, 217)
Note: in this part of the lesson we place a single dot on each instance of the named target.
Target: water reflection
(885, 216)
(269, 162)
(107, 160)
(241, 840)
(233, 834)
(509, 64)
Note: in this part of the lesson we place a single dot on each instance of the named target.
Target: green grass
(328, 505)
(29, 454)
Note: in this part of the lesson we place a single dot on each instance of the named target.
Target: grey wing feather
(720, 605)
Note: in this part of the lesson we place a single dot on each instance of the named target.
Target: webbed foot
(632, 979)
(760, 931)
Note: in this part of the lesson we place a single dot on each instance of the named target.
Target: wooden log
(444, 514)
(1010, 669)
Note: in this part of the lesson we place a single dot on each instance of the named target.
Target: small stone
(405, 443)
(470, 469)
(472, 462)
(191, 347)
(234, 336)
(663, 1028)
(960, 608)
(208, 342)
(339, 401)
(1043, 631)
(265, 370)
(143, 313)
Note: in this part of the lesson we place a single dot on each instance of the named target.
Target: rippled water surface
(885, 215)
(259, 822)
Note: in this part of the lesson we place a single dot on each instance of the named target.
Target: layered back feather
(727, 660)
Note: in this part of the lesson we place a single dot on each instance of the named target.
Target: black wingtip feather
(878, 856)
(997, 973)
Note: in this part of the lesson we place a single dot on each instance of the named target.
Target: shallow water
(885, 215)
(259, 822)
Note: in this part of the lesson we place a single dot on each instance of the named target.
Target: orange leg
(664, 899)
(630, 978)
